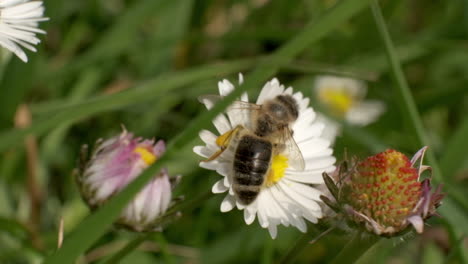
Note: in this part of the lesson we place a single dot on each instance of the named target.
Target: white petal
(241, 78)
(417, 223)
(222, 124)
(219, 187)
(307, 178)
(249, 217)
(228, 203)
(312, 216)
(303, 190)
(225, 87)
(319, 163)
(355, 88)
(239, 117)
(207, 101)
(226, 182)
(239, 205)
(269, 91)
(223, 170)
(208, 137)
(314, 147)
(245, 97)
(13, 47)
(203, 151)
(262, 217)
(273, 231)
(211, 165)
(365, 112)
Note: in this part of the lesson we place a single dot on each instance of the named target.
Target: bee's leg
(223, 142)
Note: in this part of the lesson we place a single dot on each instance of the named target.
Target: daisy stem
(296, 249)
(301, 244)
(408, 105)
(355, 248)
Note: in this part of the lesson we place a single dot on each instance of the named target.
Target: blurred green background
(100, 66)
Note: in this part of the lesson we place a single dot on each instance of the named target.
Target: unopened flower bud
(113, 165)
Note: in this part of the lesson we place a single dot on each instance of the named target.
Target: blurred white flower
(113, 165)
(19, 24)
(344, 99)
(287, 196)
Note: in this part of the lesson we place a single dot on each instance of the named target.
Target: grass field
(142, 64)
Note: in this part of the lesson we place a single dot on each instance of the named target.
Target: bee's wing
(239, 112)
(295, 158)
(214, 99)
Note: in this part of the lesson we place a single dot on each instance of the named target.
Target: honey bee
(267, 134)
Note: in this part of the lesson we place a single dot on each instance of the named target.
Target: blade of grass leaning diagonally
(359, 245)
(85, 86)
(374, 62)
(116, 39)
(95, 225)
(409, 109)
(147, 91)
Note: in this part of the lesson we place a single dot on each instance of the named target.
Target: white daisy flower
(18, 25)
(287, 196)
(344, 98)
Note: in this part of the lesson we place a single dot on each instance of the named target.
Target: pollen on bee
(224, 138)
(279, 164)
(148, 157)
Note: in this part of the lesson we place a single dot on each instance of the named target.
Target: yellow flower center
(278, 165)
(148, 157)
(339, 101)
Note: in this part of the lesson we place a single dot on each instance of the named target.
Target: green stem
(120, 255)
(296, 249)
(408, 105)
(159, 238)
(301, 244)
(355, 248)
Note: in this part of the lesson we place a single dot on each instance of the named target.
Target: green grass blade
(13, 87)
(145, 92)
(359, 245)
(97, 223)
(405, 98)
(85, 86)
(408, 106)
(355, 248)
(116, 39)
(455, 151)
(127, 249)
